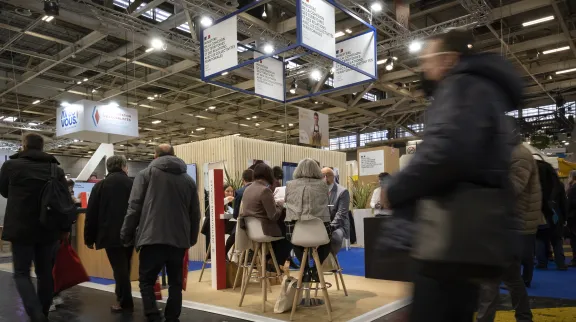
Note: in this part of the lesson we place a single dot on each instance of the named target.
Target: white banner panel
(371, 163)
(269, 78)
(318, 26)
(220, 41)
(70, 119)
(313, 127)
(111, 119)
(358, 52)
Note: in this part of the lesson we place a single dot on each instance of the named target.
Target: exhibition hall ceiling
(141, 54)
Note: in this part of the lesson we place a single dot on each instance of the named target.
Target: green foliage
(234, 181)
(361, 193)
(540, 141)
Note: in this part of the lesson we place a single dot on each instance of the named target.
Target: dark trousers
(152, 259)
(282, 249)
(36, 302)
(527, 259)
(436, 300)
(120, 259)
(490, 296)
(323, 252)
(544, 238)
(572, 227)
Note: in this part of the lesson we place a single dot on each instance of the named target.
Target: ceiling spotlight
(315, 102)
(75, 140)
(268, 49)
(549, 77)
(79, 82)
(264, 15)
(149, 50)
(293, 87)
(158, 44)
(376, 7)
(151, 98)
(200, 129)
(254, 117)
(51, 7)
(35, 102)
(237, 134)
(206, 21)
(290, 124)
(390, 65)
(155, 95)
(257, 124)
(470, 46)
(224, 73)
(248, 118)
(348, 30)
(315, 75)
(382, 61)
(339, 34)
(47, 18)
(555, 50)
(415, 46)
(94, 90)
(32, 124)
(212, 107)
(156, 122)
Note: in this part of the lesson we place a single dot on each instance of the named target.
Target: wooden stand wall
(95, 261)
(235, 151)
(391, 162)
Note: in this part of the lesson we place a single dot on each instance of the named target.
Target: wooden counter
(95, 261)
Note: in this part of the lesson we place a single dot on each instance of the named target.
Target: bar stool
(332, 266)
(242, 245)
(310, 234)
(206, 257)
(262, 244)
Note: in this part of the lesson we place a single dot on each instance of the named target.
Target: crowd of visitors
(487, 207)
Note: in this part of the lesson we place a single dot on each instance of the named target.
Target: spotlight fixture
(200, 129)
(35, 102)
(339, 34)
(156, 122)
(149, 49)
(79, 82)
(51, 7)
(47, 18)
(85, 79)
(94, 90)
(206, 21)
(376, 6)
(293, 87)
(257, 124)
(316, 75)
(212, 107)
(415, 46)
(348, 30)
(264, 15)
(151, 98)
(290, 124)
(268, 49)
(32, 124)
(254, 117)
(224, 73)
(158, 44)
(390, 65)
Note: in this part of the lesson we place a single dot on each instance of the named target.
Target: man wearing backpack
(22, 181)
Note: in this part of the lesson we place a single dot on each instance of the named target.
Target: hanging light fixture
(293, 87)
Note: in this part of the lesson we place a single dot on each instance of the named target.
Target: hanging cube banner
(288, 67)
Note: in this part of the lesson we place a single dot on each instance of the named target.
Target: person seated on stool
(258, 202)
(375, 201)
(307, 198)
(339, 206)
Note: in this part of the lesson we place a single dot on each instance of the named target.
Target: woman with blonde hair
(306, 199)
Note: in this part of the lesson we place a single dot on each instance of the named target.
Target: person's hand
(280, 202)
(229, 199)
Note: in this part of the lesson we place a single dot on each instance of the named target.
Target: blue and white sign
(96, 122)
(358, 52)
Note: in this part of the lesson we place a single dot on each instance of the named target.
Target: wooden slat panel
(236, 151)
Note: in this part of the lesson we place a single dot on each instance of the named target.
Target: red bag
(158, 289)
(185, 271)
(68, 270)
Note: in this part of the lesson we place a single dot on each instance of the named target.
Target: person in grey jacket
(339, 206)
(162, 220)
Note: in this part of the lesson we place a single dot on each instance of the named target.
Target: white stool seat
(310, 233)
(255, 232)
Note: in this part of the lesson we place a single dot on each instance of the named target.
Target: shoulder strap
(53, 171)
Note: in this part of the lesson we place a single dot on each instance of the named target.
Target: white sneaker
(57, 300)
(52, 308)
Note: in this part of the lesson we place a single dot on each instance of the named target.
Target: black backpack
(57, 209)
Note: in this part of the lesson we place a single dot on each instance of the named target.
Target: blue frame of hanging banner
(299, 44)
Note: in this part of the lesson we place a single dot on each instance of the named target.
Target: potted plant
(361, 195)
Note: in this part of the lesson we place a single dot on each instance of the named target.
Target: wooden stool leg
(273, 255)
(341, 276)
(264, 277)
(247, 281)
(322, 283)
(204, 263)
(240, 268)
(337, 283)
(317, 287)
(299, 284)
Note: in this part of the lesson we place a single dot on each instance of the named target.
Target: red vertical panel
(83, 200)
(219, 230)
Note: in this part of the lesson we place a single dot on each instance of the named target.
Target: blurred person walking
(339, 207)
(104, 219)
(526, 186)
(162, 221)
(459, 177)
(22, 180)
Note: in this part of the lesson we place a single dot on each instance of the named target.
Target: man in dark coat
(162, 220)
(22, 179)
(459, 176)
(106, 211)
